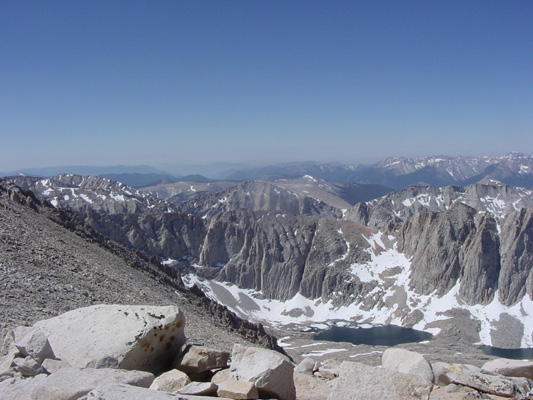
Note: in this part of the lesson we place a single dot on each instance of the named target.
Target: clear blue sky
(152, 82)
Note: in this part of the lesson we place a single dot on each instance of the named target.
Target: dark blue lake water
(386, 335)
(517, 354)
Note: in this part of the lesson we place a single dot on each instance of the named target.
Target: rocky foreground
(118, 352)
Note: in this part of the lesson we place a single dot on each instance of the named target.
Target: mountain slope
(47, 269)
(258, 196)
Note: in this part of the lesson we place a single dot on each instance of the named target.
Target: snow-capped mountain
(92, 192)
(487, 196)
(397, 172)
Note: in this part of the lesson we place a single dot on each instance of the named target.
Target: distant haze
(258, 83)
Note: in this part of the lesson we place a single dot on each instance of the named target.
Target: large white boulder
(408, 362)
(507, 367)
(268, 370)
(146, 338)
(362, 382)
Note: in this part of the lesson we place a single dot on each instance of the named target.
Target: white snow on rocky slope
(74, 191)
(396, 296)
(488, 196)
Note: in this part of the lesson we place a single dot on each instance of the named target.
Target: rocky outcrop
(454, 245)
(516, 277)
(164, 235)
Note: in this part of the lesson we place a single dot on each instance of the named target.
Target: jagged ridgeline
(424, 256)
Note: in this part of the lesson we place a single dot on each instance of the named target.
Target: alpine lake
(391, 335)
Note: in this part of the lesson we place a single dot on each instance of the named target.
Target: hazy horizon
(262, 83)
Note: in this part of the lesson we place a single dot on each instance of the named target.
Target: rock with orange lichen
(145, 338)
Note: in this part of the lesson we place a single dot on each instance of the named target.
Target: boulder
(199, 389)
(330, 369)
(198, 359)
(446, 373)
(27, 366)
(50, 366)
(21, 389)
(143, 338)
(70, 383)
(307, 366)
(507, 367)
(311, 387)
(127, 392)
(492, 384)
(269, 371)
(171, 381)
(238, 390)
(408, 362)
(440, 393)
(221, 376)
(7, 360)
(362, 382)
(33, 342)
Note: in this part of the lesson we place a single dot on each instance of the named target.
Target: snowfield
(301, 310)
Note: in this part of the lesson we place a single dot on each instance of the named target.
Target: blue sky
(261, 82)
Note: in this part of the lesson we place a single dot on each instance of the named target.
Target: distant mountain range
(396, 172)
(514, 169)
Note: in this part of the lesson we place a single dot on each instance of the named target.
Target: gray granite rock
(507, 367)
(198, 359)
(361, 382)
(408, 362)
(268, 370)
(171, 381)
(238, 390)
